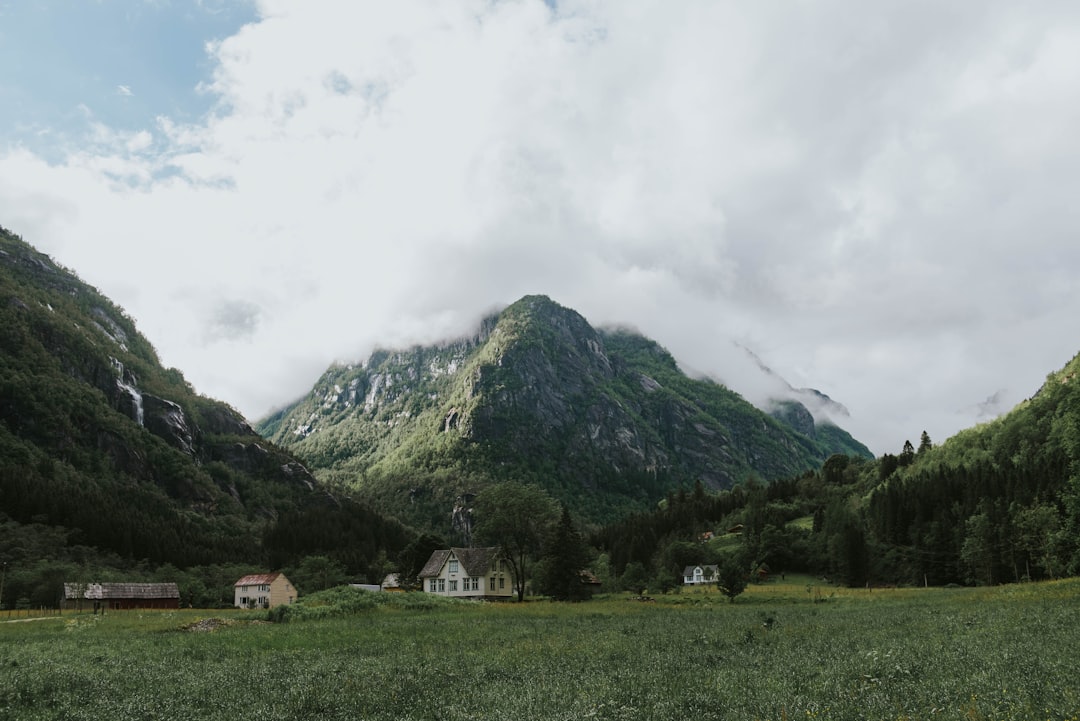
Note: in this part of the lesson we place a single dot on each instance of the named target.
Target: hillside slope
(1000, 501)
(604, 420)
(99, 440)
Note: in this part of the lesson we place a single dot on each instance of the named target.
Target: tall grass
(1003, 653)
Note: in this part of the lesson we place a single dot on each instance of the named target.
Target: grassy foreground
(780, 652)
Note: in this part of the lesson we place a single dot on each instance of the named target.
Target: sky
(879, 200)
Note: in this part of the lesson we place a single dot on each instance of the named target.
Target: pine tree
(560, 569)
(924, 443)
(907, 455)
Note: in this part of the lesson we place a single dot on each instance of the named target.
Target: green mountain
(603, 419)
(102, 449)
(996, 502)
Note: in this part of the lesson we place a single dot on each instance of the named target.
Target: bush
(349, 601)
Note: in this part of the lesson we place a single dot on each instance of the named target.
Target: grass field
(782, 651)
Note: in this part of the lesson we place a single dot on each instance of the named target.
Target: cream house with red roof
(263, 590)
(467, 573)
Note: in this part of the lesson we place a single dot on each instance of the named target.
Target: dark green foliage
(907, 454)
(833, 468)
(343, 530)
(733, 575)
(634, 578)
(411, 559)
(669, 538)
(317, 573)
(565, 558)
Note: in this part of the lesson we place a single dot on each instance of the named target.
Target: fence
(17, 613)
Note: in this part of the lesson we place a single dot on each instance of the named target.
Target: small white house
(468, 573)
(699, 575)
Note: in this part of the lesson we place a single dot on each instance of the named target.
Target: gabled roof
(474, 561)
(257, 579)
(434, 564)
(588, 577)
(689, 570)
(107, 591)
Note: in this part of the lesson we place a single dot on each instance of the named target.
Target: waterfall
(136, 399)
(130, 389)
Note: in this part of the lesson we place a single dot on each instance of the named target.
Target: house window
(453, 567)
(453, 586)
(491, 584)
(442, 585)
(502, 583)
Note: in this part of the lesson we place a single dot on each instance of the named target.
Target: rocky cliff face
(604, 419)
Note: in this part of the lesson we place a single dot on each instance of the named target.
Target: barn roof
(257, 579)
(108, 591)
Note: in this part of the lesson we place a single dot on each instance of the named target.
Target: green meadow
(795, 650)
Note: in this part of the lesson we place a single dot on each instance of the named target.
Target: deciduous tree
(732, 575)
(517, 518)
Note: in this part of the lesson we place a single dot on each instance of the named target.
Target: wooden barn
(120, 596)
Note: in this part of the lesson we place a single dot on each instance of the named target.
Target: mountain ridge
(537, 393)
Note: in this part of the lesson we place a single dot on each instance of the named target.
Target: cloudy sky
(879, 199)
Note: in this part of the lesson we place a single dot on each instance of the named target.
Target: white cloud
(124, 90)
(876, 199)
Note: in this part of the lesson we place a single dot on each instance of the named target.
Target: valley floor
(782, 651)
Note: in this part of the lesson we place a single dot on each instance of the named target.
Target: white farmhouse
(699, 575)
(468, 573)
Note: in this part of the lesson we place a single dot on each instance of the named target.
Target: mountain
(603, 419)
(116, 453)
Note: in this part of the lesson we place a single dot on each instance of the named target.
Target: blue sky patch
(66, 64)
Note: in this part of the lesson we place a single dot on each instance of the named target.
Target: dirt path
(27, 620)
